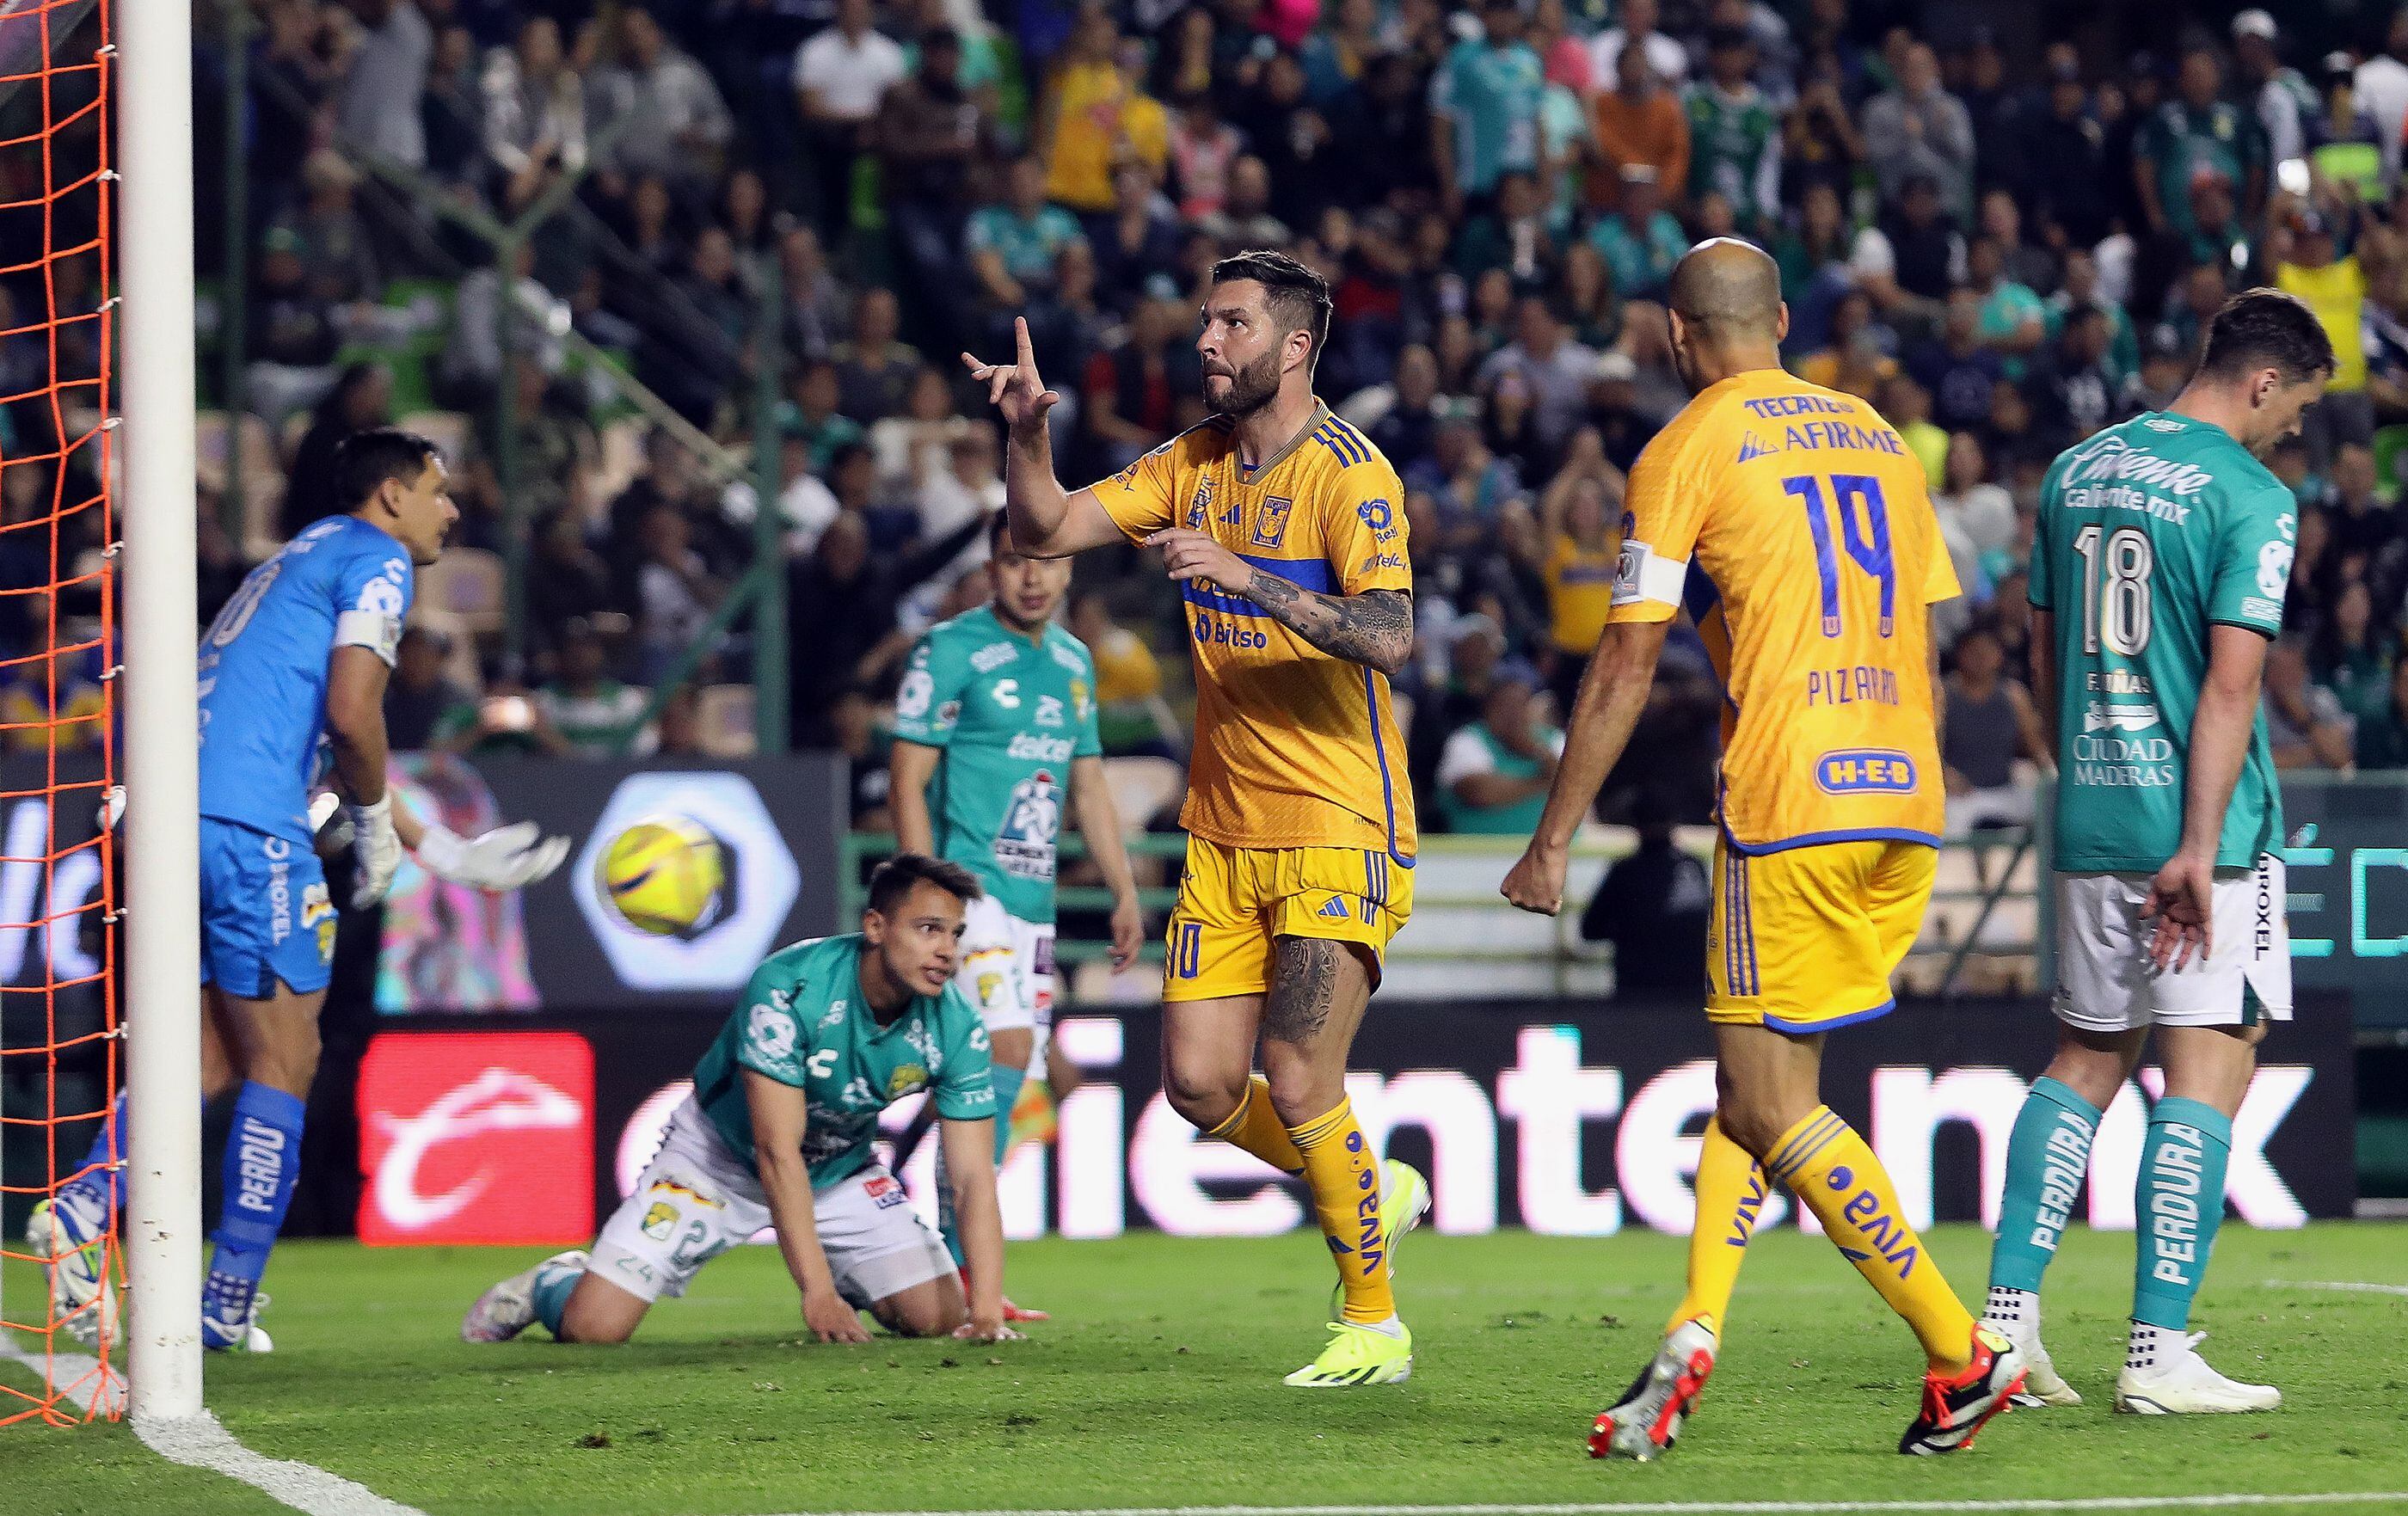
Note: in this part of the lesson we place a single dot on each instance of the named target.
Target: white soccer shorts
(2106, 983)
(697, 1199)
(1007, 967)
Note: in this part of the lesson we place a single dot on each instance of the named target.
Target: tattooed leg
(1318, 991)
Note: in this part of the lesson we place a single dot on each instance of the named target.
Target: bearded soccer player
(1795, 525)
(779, 1132)
(994, 720)
(1286, 531)
(2159, 564)
(292, 672)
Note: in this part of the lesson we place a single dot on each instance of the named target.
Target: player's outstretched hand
(1013, 388)
(506, 858)
(1129, 932)
(2182, 901)
(832, 1321)
(1193, 555)
(1536, 880)
(975, 1330)
(376, 847)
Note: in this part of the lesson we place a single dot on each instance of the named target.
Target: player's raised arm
(1047, 521)
(780, 1113)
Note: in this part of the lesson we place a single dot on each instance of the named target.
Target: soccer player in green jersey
(2157, 571)
(778, 1131)
(996, 708)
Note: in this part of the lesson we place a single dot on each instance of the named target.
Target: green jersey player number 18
(2160, 564)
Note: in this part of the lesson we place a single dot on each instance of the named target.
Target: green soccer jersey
(2149, 534)
(1735, 149)
(1010, 713)
(804, 1022)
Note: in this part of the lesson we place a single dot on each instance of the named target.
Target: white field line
(2353, 1286)
(1708, 1507)
(200, 1442)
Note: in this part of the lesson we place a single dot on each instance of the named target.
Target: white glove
(506, 858)
(377, 847)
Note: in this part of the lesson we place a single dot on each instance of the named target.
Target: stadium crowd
(2004, 249)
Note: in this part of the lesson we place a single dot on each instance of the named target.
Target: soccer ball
(666, 875)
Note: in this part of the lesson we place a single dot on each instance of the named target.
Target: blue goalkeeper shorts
(265, 914)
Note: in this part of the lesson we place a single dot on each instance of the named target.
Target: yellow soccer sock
(1344, 1179)
(1836, 1176)
(1731, 1189)
(1255, 1127)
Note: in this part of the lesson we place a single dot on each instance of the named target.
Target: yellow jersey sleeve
(1663, 510)
(1363, 528)
(1140, 498)
(1940, 571)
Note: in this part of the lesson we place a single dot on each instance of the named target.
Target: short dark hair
(1295, 293)
(2264, 328)
(365, 459)
(892, 882)
(996, 526)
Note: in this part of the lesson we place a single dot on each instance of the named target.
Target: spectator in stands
(2059, 171)
(1516, 235)
(2350, 656)
(681, 726)
(841, 75)
(675, 591)
(1245, 218)
(874, 371)
(1402, 417)
(1982, 513)
(1734, 134)
(817, 303)
(1955, 367)
(1132, 390)
(2012, 322)
(381, 94)
(1484, 104)
(1920, 130)
(505, 722)
(1097, 112)
(534, 111)
(1013, 247)
(420, 694)
(809, 413)
(1910, 259)
(290, 332)
(2381, 739)
(2344, 141)
(1992, 725)
(334, 243)
(2359, 511)
(1813, 256)
(2382, 89)
(1581, 558)
(1636, 121)
(1640, 18)
(492, 316)
(1494, 773)
(2307, 265)
(1907, 407)
(2279, 96)
(850, 635)
(2305, 721)
(1475, 646)
(668, 114)
(1652, 905)
(1554, 370)
(1385, 134)
(594, 714)
(2076, 382)
(1820, 145)
(1642, 240)
(2080, 292)
(930, 130)
(2197, 138)
(568, 583)
(361, 398)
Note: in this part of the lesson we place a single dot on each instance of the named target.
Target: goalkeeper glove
(506, 858)
(376, 847)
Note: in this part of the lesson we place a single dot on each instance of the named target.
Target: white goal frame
(159, 977)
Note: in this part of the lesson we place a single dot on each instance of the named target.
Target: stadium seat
(1142, 787)
(725, 712)
(469, 584)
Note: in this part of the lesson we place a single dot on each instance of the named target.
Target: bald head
(1730, 289)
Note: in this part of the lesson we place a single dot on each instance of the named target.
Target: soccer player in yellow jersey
(1796, 527)
(1287, 530)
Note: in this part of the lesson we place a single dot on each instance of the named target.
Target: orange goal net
(59, 1012)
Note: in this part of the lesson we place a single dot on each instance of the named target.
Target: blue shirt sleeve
(372, 596)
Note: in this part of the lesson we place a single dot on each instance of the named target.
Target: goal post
(154, 98)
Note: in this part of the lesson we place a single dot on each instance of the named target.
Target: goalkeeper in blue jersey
(297, 662)
(778, 1133)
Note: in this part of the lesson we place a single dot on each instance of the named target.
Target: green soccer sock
(2046, 1158)
(555, 1283)
(2179, 1203)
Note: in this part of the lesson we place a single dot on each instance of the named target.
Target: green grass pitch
(1157, 1385)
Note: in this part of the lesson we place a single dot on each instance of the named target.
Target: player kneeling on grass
(778, 1132)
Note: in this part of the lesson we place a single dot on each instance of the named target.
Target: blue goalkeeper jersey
(264, 662)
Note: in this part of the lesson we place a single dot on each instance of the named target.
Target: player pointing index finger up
(1286, 531)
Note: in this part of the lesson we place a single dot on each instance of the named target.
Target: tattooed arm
(1374, 628)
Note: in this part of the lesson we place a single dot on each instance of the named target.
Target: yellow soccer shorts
(1806, 939)
(1234, 901)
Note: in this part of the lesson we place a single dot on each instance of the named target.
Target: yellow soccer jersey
(1294, 748)
(1797, 527)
